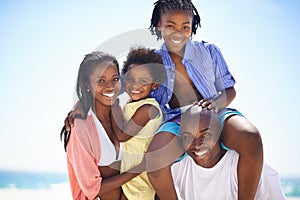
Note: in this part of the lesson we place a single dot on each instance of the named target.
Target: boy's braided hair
(162, 6)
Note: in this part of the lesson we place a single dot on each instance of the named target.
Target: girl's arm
(125, 131)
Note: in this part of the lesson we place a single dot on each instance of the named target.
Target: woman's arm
(84, 165)
(139, 119)
(117, 181)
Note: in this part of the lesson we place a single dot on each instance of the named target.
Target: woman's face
(104, 83)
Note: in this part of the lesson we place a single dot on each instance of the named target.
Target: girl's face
(104, 83)
(176, 29)
(139, 82)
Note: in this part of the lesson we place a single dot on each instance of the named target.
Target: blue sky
(43, 43)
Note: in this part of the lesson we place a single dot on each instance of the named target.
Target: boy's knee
(253, 144)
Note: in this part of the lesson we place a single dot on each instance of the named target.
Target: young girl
(93, 151)
(197, 72)
(143, 72)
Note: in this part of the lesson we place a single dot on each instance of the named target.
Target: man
(209, 171)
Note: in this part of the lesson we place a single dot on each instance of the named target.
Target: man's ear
(155, 86)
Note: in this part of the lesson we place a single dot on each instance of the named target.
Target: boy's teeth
(176, 41)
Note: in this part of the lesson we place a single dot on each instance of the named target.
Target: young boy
(209, 171)
(196, 72)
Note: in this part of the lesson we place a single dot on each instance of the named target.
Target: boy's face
(139, 82)
(104, 83)
(176, 29)
(200, 137)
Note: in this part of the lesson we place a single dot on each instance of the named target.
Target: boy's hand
(209, 104)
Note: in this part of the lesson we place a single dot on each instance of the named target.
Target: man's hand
(78, 112)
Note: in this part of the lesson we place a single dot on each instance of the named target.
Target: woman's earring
(88, 90)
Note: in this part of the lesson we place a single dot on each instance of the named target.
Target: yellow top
(134, 150)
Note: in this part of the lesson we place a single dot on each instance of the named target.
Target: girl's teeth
(135, 92)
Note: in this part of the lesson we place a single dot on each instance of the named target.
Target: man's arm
(164, 149)
(77, 111)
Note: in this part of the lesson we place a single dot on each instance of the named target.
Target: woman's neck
(102, 112)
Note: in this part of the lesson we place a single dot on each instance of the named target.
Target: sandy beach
(57, 192)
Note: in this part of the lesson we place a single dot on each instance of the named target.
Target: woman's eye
(116, 79)
(99, 81)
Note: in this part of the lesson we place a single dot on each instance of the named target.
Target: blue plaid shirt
(206, 68)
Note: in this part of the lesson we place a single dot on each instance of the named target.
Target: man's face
(200, 135)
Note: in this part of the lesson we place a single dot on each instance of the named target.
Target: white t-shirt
(193, 182)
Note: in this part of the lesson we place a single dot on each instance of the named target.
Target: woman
(93, 151)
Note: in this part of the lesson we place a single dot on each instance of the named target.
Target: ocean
(14, 182)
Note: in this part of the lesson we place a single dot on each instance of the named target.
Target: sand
(57, 192)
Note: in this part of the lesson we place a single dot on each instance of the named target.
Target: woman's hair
(162, 6)
(86, 68)
(148, 58)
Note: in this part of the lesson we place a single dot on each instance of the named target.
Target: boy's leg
(242, 136)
